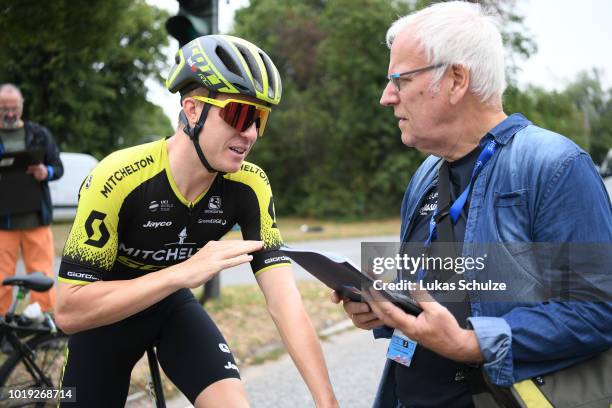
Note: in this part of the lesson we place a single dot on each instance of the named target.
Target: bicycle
(36, 351)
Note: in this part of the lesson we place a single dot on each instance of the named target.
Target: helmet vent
(227, 59)
(270, 71)
(253, 67)
(243, 89)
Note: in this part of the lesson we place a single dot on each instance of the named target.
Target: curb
(336, 328)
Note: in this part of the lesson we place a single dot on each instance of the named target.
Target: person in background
(28, 233)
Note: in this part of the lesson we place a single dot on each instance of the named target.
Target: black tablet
(20, 160)
(339, 274)
(19, 192)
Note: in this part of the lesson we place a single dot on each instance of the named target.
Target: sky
(571, 36)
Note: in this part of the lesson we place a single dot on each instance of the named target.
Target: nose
(250, 133)
(390, 95)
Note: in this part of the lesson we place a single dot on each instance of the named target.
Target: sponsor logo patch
(214, 203)
(157, 224)
(88, 181)
(80, 275)
(96, 230)
(212, 221)
(277, 259)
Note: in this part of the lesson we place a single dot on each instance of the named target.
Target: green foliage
(582, 111)
(82, 68)
(330, 149)
(595, 106)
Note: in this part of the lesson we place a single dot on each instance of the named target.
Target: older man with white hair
(27, 232)
(490, 179)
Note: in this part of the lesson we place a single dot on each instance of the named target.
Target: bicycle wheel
(48, 354)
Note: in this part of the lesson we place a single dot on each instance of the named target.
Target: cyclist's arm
(274, 275)
(287, 310)
(85, 306)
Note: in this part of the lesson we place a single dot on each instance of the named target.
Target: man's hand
(38, 171)
(434, 328)
(360, 313)
(213, 258)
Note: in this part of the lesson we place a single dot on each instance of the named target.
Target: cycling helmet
(226, 64)
(222, 64)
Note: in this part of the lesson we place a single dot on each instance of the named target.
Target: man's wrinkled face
(417, 105)
(11, 108)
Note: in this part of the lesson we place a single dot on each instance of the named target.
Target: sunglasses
(395, 78)
(240, 114)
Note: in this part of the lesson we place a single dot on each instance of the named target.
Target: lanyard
(455, 209)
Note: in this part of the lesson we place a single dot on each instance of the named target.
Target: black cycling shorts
(190, 349)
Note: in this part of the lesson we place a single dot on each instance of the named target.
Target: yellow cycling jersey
(132, 219)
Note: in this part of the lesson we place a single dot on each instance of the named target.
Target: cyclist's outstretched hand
(213, 258)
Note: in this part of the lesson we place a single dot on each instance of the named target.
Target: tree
(82, 68)
(582, 111)
(331, 150)
(595, 108)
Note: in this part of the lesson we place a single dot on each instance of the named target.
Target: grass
(291, 229)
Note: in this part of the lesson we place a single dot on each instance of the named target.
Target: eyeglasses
(395, 78)
(9, 110)
(240, 114)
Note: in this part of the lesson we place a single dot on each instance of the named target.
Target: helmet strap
(194, 133)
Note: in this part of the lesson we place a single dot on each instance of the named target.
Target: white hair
(458, 32)
(10, 88)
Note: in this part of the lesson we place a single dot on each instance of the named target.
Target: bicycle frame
(12, 333)
(156, 381)
(27, 354)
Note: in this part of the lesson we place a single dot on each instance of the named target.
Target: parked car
(608, 184)
(65, 191)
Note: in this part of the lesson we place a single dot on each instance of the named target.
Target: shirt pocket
(512, 219)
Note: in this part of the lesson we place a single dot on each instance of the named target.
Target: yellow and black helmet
(225, 64)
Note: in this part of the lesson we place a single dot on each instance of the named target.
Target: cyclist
(145, 231)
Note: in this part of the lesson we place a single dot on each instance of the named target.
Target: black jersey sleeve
(257, 217)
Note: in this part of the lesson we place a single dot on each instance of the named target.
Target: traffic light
(194, 19)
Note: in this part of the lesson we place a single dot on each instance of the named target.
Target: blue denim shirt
(539, 187)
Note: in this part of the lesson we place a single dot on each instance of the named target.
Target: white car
(65, 191)
(605, 169)
(608, 184)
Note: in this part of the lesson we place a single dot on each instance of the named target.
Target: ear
(190, 107)
(460, 76)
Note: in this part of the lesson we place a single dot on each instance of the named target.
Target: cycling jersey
(132, 219)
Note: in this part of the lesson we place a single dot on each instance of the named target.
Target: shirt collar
(506, 129)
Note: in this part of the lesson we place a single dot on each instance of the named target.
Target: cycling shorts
(190, 349)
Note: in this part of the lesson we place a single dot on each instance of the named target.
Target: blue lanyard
(455, 209)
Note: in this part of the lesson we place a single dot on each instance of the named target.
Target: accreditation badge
(401, 348)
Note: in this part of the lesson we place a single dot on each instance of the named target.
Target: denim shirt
(539, 187)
